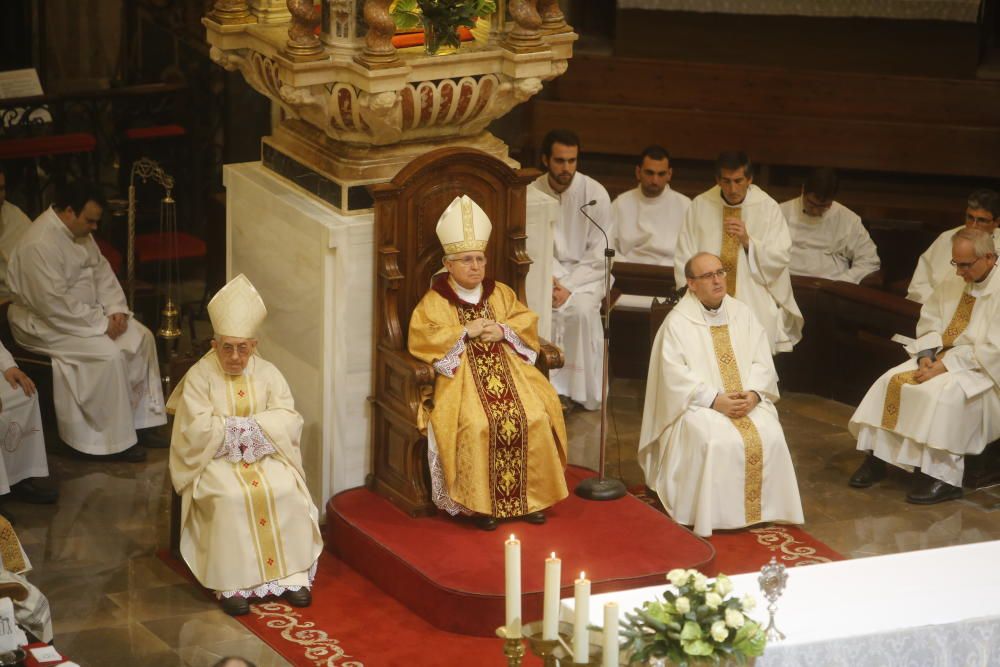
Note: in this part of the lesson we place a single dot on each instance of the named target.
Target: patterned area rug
(352, 623)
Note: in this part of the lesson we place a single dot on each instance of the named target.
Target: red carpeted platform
(450, 573)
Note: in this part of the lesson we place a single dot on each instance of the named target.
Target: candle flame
(512, 538)
(583, 575)
(553, 555)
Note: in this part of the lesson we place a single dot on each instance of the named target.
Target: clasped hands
(735, 404)
(485, 330)
(117, 324)
(927, 369)
(736, 227)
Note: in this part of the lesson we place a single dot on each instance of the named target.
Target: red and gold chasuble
(257, 493)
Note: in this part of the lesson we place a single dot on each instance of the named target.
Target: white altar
(932, 608)
(314, 269)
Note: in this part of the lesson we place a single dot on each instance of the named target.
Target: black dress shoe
(300, 598)
(486, 522)
(34, 491)
(134, 454)
(930, 491)
(534, 517)
(236, 605)
(872, 470)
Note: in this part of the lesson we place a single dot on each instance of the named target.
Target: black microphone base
(595, 488)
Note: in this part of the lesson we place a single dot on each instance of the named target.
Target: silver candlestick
(772, 580)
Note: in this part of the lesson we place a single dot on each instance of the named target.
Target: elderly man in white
(68, 305)
(944, 403)
(248, 525)
(711, 445)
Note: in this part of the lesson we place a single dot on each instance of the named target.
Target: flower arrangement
(440, 18)
(695, 625)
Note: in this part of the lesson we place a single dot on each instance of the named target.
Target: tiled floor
(114, 603)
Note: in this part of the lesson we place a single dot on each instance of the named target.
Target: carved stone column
(526, 34)
(270, 11)
(303, 44)
(231, 12)
(379, 51)
(553, 20)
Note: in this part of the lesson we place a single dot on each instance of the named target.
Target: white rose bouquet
(696, 624)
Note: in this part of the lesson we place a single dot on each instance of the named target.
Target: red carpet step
(450, 573)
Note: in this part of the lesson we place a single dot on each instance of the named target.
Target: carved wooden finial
(303, 44)
(231, 12)
(379, 51)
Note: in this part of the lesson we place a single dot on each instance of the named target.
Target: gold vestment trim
(257, 495)
(10, 548)
(731, 248)
(753, 447)
(894, 391)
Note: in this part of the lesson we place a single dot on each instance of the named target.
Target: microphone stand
(601, 487)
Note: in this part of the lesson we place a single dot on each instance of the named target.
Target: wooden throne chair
(407, 255)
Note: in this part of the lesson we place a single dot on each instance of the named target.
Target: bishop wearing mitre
(496, 436)
(248, 525)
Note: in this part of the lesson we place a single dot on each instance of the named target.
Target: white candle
(512, 588)
(550, 603)
(610, 650)
(581, 636)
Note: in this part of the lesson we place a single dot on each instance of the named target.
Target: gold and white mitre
(463, 227)
(237, 310)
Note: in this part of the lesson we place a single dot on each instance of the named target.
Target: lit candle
(610, 651)
(550, 603)
(512, 589)
(581, 636)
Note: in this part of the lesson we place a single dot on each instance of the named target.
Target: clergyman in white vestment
(248, 525)
(578, 270)
(13, 223)
(944, 403)
(69, 306)
(711, 445)
(648, 218)
(22, 444)
(828, 239)
(31, 607)
(743, 226)
(982, 211)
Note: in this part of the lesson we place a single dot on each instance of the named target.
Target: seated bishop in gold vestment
(496, 436)
(248, 525)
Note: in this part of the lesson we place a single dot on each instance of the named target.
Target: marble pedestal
(313, 267)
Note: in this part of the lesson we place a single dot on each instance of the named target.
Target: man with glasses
(248, 525)
(828, 239)
(929, 412)
(744, 225)
(982, 211)
(711, 445)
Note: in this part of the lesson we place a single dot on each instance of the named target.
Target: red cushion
(155, 132)
(156, 247)
(53, 145)
(111, 254)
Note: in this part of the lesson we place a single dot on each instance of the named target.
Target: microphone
(592, 202)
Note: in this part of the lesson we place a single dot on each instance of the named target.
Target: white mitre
(463, 227)
(237, 310)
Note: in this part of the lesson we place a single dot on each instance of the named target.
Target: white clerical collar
(977, 289)
(716, 317)
(467, 295)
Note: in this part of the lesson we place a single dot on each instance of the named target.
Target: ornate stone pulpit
(352, 111)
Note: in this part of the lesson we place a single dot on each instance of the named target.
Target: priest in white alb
(744, 226)
(69, 306)
(828, 239)
(578, 270)
(982, 211)
(648, 218)
(944, 403)
(710, 445)
(31, 607)
(248, 525)
(13, 223)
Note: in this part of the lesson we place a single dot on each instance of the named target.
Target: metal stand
(600, 487)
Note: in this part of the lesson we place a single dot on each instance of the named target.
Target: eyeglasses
(243, 349)
(978, 219)
(721, 273)
(965, 266)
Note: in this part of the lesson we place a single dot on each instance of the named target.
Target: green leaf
(691, 631)
(698, 647)
(750, 639)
